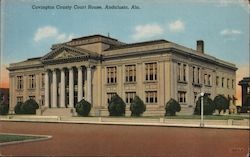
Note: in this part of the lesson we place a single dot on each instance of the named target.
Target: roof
(93, 36)
(246, 80)
(138, 44)
(35, 58)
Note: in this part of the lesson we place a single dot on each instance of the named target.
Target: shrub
(208, 106)
(4, 108)
(29, 107)
(17, 108)
(171, 107)
(83, 108)
(116, 106)
(221, 103)
(137, 106)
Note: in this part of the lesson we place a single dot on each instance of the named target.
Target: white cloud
(51, 32)
(147, 31)
(176, 26)
(45, 32)
(63, 37)
(230, 32)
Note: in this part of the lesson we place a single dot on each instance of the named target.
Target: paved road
(117, 140)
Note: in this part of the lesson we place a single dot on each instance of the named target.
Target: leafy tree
(171, 107)
(83, 108)
(137, 106)
(221, 103)
(116, 106)
(29, 107)
(208, 106)
(17, 108)
(4, 108)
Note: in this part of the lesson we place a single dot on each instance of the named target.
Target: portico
(67, 85)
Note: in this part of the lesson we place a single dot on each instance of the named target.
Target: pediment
(65, 52)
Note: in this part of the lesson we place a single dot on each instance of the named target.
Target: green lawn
(10, 138)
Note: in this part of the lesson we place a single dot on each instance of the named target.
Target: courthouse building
(96, 67)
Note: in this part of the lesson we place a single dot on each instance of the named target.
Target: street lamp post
(202, 106)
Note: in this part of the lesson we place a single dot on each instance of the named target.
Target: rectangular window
(182, 97)
(151, 97)
(111, 74)
(179, 71)
(130, 73)
(32, 81)
(217, 81)
(209, 80)
(19, 82)
(222, 82)
(248, 90)
(19, 99)
(42, 81)
(184, 72)
(129, 97)
(228, 83)
(151, 71)
(193, 74)
(109, 95)
(42, 99)
(232, 84)
(195, 97)
(198, 71)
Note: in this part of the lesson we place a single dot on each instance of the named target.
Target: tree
(208, 106)
(221, 103)
(116, 106)
(83, 108)
(17, 108)
(171, 107)
(137, 106)
(29, 107)
(4, 108)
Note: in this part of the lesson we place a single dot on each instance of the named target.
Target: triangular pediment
(65, 52)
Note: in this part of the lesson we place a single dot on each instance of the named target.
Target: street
(121, 140)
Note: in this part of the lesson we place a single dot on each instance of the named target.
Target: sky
(30, 27)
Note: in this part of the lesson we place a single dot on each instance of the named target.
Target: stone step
(56, 112)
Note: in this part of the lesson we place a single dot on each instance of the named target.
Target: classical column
(54, 98)
(79, 83)
(46, 88)
(71, 88)
(89, 82)
(62, 96)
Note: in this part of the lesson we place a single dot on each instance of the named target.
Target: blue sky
(222, 24)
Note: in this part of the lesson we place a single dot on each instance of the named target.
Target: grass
(10, 138)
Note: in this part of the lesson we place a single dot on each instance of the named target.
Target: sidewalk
(161, 122)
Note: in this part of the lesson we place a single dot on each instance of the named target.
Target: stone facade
(95, 67)
(245, 96)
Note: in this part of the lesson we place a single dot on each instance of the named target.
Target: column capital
(79, 67)
(70, 67)
(62, 68)
(53, 69)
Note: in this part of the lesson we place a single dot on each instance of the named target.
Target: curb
(130, 124)
(43, 137)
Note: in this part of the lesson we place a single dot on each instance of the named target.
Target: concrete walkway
(162, 122)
